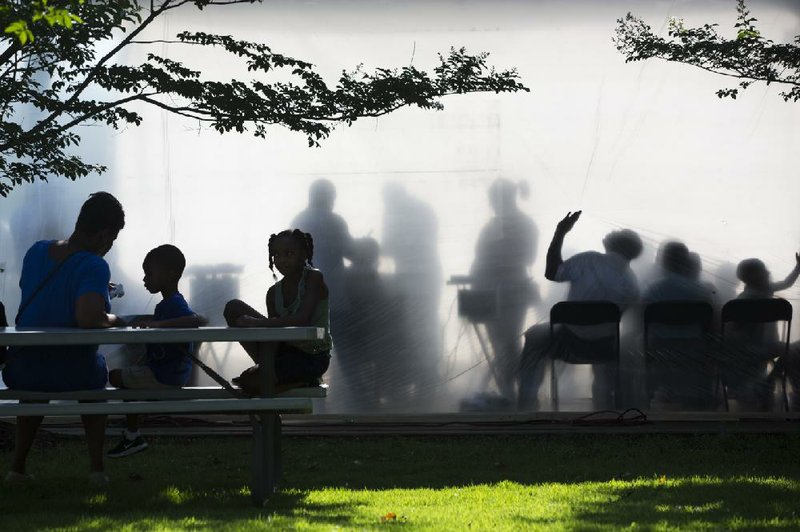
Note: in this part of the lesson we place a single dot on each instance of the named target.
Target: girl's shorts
(293, 365)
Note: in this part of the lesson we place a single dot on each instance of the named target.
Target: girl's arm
(315, 291)
(790, 279)
(272, 312)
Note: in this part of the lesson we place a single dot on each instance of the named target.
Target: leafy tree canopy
(50, 61)
(748, 56)
(37, 11)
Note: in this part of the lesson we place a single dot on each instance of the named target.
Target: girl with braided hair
(299, 299)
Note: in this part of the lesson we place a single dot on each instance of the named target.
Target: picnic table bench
(265, 410)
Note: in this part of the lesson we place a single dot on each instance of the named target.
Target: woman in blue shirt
(64, 283)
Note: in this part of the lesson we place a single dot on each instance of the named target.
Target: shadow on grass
(149, 506)
(686, 504)
(201, 483)
(414, 462)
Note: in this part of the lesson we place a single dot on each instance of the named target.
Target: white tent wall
(646, 146)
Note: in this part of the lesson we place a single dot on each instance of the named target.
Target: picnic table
(265, 409)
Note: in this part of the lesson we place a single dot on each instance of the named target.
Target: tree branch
(88, 80)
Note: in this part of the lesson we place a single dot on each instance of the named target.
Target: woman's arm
(90, 313)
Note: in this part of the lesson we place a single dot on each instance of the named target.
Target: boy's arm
(183, 322)
(790, 279)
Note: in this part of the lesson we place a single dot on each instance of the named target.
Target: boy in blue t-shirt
(164, 365)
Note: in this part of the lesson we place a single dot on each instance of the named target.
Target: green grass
(571, 482)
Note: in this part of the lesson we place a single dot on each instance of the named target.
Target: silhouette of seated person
(410, 238)
(679, 364)
(505, 251)
(364, 344)
(593, 276)
(747, 358)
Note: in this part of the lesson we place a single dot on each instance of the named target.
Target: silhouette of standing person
(411, 239)
(332, 243)
(505, 251)
(332, 240)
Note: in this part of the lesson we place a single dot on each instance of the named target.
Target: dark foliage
(748, 57)
(51, 73)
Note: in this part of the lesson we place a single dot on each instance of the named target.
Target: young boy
(163, 366)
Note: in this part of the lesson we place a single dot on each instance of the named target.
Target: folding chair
(585, 313)
(678, 314)
(753, 311)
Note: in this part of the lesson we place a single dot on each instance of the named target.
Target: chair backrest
(587, 313)
(696, 316)
(756, 311)
(677, 313)
(584, 313)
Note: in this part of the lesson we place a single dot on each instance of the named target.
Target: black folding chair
(754, 311)
(681, 315)
(588, 351)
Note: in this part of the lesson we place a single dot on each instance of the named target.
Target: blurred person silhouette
(333, 244)
(746, 368)
(680, 279)
(758, 280)
(332, 237)
(593, 276)
(411, 239)
(376, 363)
(359, 341)
(725, 281)
(679, 368)
(505, 251)
(3, 323)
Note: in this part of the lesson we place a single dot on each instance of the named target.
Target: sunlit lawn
(438, 483)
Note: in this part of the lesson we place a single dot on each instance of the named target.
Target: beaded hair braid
(304, 239)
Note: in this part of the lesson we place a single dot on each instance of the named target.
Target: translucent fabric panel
(462, 201)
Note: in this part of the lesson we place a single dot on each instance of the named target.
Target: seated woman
(65, 284)
(747, 372)
(680, 366)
